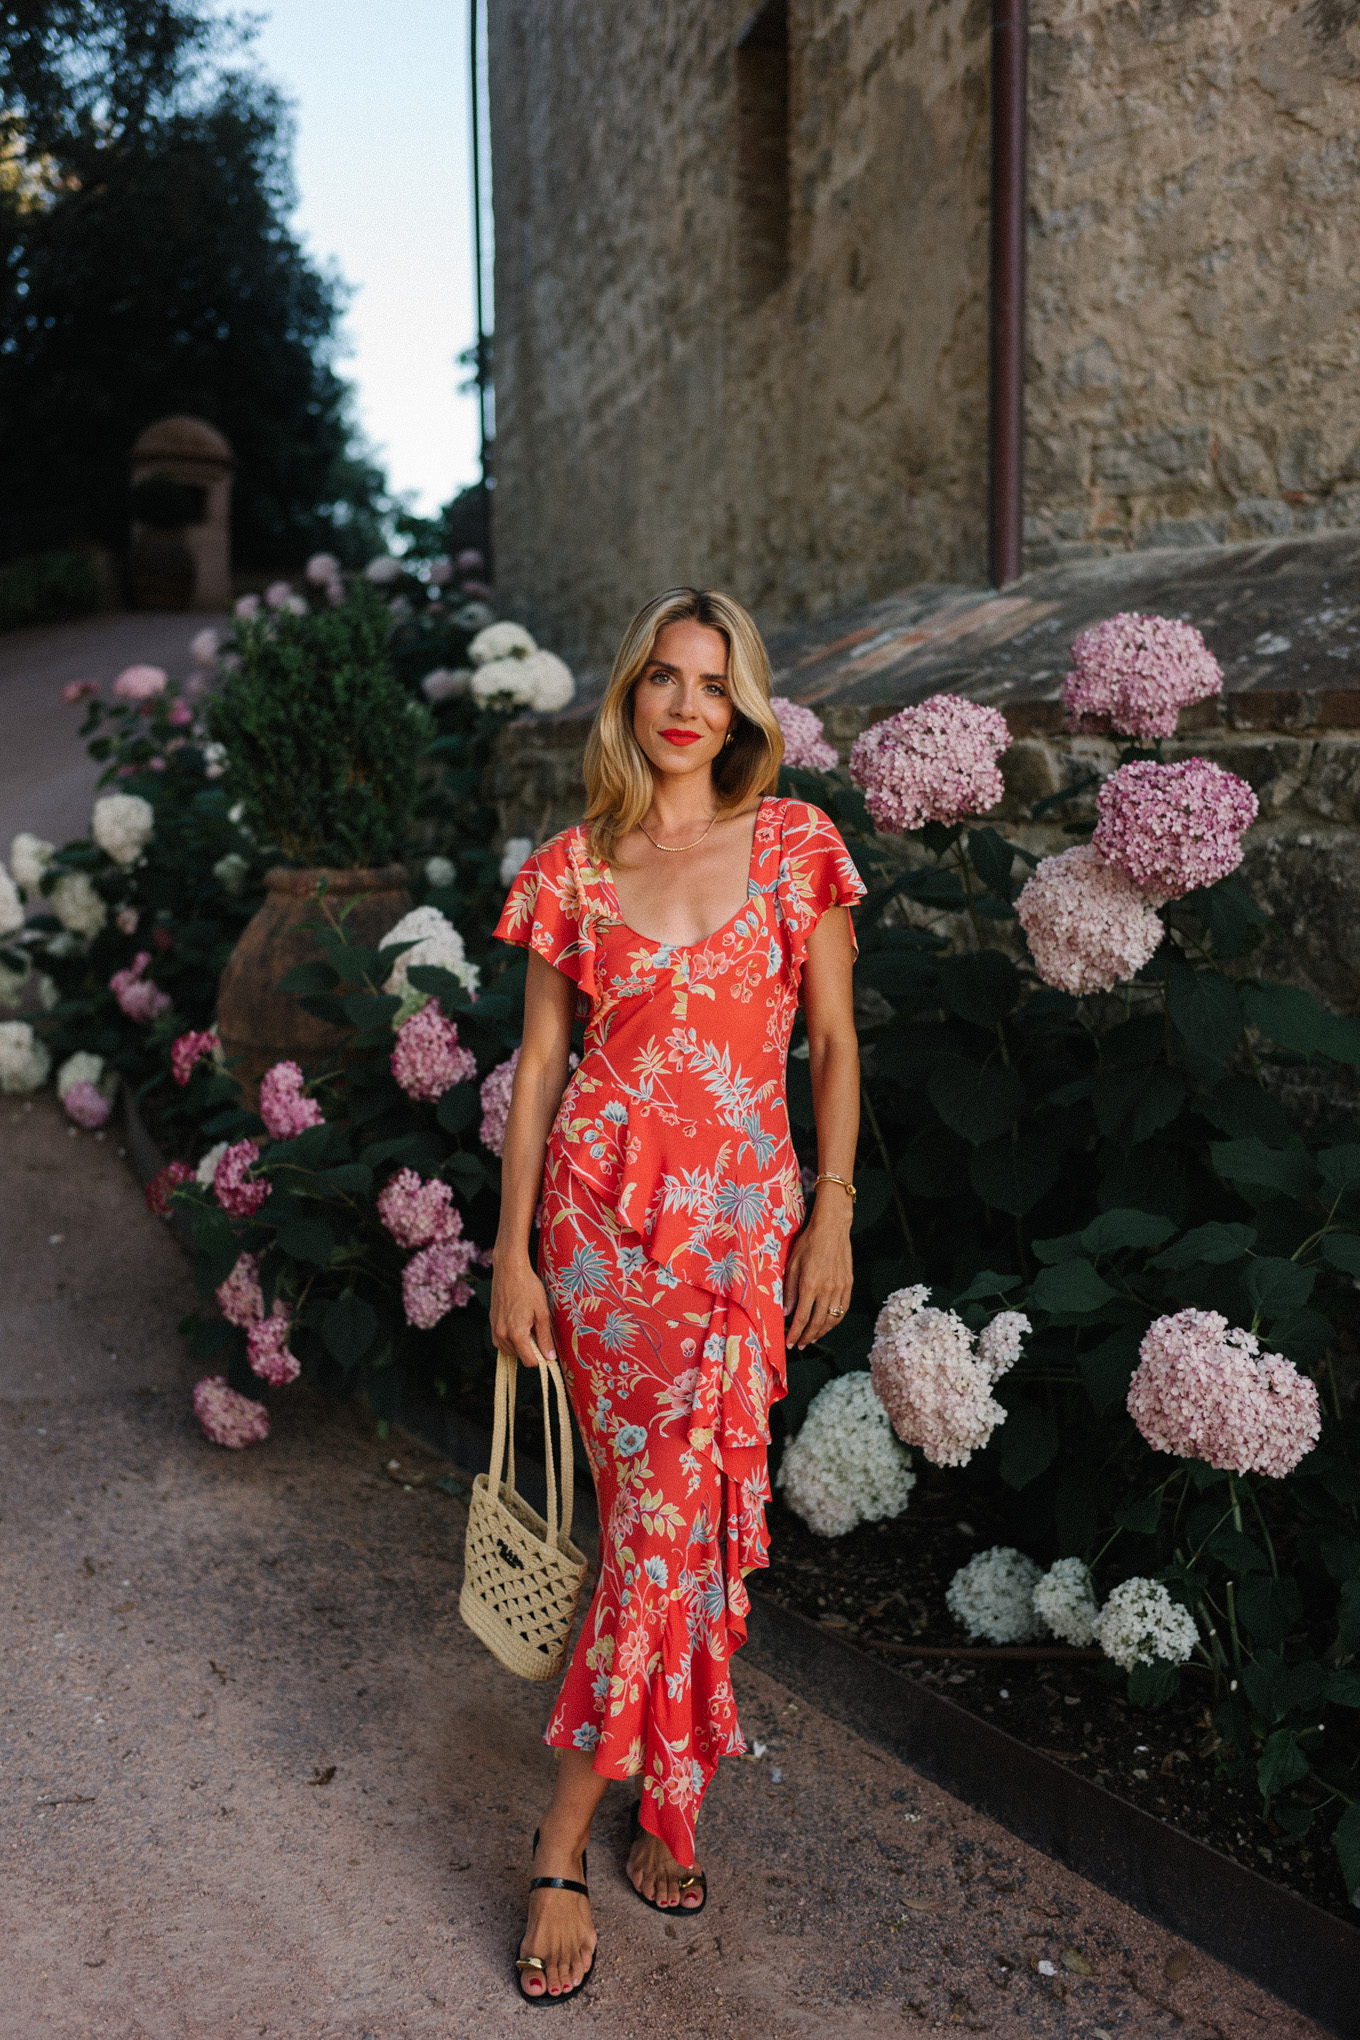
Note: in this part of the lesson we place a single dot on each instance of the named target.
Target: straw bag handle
(503, 1438)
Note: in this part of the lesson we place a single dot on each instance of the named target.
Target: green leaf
(1341, 1556)
(1012, 1176)
(1134, 1104)
(873, 1194)
(1229, 913)
(900, 974)
(457, 1108)
(807, 1375)
(992, 857)
(935, 1164)
(326, 1006)
(1204, 1007)
(216, 1249)
(467, 1173)
(799, 1093)
(1340, 1166)
(415, 1150)
(350, 1179)
(986, 1285)
(1343, 1688)
(1342, 1250)
(369, 1009)
(1125, 1228)
(1282, 1763)
(1293, 1019)
(441, 984)
(348, 1327)
(976, 1102)
(1141, 1516)
(1153, 1685)
(308, 979)
(1072, 1288)
(1107, 1369)
(1347, 1841)
(982, 988)
(1239, 1107)
(1067, 1247)
(1270, 1608)
(1278, 1287)
(1348, 1615)
(1262, 1168)
(1027, 1444)
(1214, 1244)
(307, 1239)
(1235, 1551)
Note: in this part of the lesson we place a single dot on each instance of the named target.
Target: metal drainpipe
(1010, 38)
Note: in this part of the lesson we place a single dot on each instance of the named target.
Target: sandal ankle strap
(559, 1884)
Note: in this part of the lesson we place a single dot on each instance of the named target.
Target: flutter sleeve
(816, 871)
(547, 911)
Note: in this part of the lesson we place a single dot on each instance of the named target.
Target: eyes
(659, 677)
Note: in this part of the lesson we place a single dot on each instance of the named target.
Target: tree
(145, 191)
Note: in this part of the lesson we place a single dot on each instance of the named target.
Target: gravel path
(46, 780)
(255, 1777)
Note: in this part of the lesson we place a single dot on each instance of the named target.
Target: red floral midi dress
(671, 1194)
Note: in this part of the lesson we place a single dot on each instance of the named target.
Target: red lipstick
(681, 736)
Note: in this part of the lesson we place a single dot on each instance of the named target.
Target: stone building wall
(1194, 280)
(1194, 271)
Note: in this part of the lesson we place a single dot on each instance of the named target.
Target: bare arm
(519, 1302)
(820, 1273)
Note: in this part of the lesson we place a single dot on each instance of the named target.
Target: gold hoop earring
(727, 740)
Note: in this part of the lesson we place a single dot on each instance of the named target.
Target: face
(681, 708)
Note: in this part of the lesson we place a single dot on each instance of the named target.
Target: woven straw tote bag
(522, 1577)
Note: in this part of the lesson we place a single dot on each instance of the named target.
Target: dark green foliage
(48, 587)
(322, 740)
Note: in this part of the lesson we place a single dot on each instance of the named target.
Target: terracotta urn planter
(260, 1024)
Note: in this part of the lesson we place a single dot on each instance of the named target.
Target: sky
(383, 167)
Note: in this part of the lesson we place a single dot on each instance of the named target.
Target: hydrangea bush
(1073, 1119)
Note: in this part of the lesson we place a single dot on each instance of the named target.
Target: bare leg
(653, 1871)
(560, 1928)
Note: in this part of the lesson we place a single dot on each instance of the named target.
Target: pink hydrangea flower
(1089, 926)
(141, 683)
(278, 594)
(125, 920)
(417, 1213)
(432, 1284)
(427, 1060)
(1173, 828)
(79, 690)
(283, 1108)
(496, 1089)
(163, 1186)
(240, 1298)
(267, 1348)
(935, 762)
(935, 1381)
(188, 1050)
(805, 744)
(87, 1106)
(236, 1190)
(180, 716)
(140, 998)
(1134, 674)
(1205, 1390)
(227, 1418)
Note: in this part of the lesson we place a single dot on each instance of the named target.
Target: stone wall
(1195, 201)
(1194, 283)
(1300, 753)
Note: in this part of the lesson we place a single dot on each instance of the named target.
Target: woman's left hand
(820, 1275)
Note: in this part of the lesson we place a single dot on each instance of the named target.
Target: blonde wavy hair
(617, 775)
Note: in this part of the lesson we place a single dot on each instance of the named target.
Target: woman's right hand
(519, 1309)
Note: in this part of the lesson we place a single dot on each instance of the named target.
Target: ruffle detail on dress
(820, 876)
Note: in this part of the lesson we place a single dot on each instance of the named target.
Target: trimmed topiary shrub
(48, 587)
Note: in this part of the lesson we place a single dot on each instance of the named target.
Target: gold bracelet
(827, 1177)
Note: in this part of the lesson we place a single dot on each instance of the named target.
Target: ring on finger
(832, 1311)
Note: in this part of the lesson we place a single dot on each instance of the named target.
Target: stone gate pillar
(190, 450)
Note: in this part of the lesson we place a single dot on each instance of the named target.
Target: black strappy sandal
(689, 1912)
(523, 1962)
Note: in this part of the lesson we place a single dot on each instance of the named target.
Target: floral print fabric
(671, 1195)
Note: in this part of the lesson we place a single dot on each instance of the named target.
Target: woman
(683, 920)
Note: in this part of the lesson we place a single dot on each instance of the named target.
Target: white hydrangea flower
(214, 759)
(47, 989)
(439, 871)
(1065, 1602)
(845, 1466)
(516, 854)
(474, 616)
(551, 680)
(438, 946)
(321, 569)
(508, 677)
(11, 905)
(81, 1068)
(500, 641)
(247, 608)
(1140, 1622)
(383, 571)
(231, 872)
(207, 1168)
(122, 824)
(24, 1060)
(29, 858)
(203, 647)
(993, 1595)
(77, 905)
(444, 684)
(13, 981)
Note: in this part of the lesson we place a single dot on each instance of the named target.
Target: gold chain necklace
(671, 849)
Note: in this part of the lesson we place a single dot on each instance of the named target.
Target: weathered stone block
(1310, 882)
(1332, 788)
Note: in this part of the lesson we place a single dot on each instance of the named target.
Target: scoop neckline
(659, 941)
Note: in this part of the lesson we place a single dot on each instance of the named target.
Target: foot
(560, 1930)
(655, 1874)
